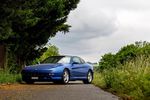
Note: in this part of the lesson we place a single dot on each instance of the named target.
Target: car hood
(42, 66)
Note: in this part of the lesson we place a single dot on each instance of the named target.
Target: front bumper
(39, 76)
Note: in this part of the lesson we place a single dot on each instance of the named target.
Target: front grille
(39, 74)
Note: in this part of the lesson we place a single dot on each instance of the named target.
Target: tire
(89, 78)
(65, 77)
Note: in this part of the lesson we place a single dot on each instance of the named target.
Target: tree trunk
(2, 56)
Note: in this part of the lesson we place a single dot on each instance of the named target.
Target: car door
(84, 68)
(78, 68)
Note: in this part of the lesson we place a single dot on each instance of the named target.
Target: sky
(104, 26)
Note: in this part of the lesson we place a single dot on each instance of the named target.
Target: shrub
(132, 78)
(6, 77)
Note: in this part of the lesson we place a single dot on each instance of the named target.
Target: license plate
(35, 78)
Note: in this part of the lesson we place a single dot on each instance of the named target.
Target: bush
(108, 61)
(132, 78)
(6, 77)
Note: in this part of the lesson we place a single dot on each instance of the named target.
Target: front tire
(89, 78)
(65, 77)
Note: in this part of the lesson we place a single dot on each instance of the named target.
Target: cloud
(102, 26)
(121, 4)
(87, 25)
(90, 24)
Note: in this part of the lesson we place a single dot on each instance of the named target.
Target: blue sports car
(59, 69)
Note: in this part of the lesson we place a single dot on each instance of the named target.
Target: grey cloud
(90, 24)
(102, 26)
(122, 4)
(87, 25)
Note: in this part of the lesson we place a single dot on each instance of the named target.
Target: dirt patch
(16, 87)
(12, 86)
(23, 86)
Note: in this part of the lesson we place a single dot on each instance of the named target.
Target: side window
(82, 61)
(76, 59)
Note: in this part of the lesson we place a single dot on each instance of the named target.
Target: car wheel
(89, 78)
(65, 77)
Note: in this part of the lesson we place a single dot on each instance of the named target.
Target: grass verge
(6, 77)
(131, 81)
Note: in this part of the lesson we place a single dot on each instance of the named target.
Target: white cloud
(90, 24)
(121, 4)
(102, 26)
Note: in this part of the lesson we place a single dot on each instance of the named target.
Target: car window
(76, 59)
(65, 60)
(57, 59)
(82, 61)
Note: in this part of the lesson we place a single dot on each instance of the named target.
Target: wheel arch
(91, 71)
(67, 70)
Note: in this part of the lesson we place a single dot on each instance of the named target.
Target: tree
(125, 54)
(51, 51)
(108, 61)
(27, 25)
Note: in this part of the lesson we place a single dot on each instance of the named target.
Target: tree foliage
(125, 54)
(27, 25)
(107, 61)
(51, 51)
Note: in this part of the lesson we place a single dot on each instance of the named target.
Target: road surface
(50, 91)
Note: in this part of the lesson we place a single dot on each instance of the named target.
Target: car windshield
(57, 59)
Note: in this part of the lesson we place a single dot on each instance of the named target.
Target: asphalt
(50, 91)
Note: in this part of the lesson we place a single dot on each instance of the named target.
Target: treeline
(126, 53)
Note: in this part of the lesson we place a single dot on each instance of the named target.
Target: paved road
(50, 91)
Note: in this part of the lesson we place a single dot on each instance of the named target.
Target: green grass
(131, 80)
(6, 77)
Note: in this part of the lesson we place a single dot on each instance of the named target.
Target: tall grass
(6, 77)
(131, 79)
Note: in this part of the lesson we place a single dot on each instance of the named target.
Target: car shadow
(51, 83)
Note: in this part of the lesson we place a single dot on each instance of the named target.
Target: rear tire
(89, 78)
